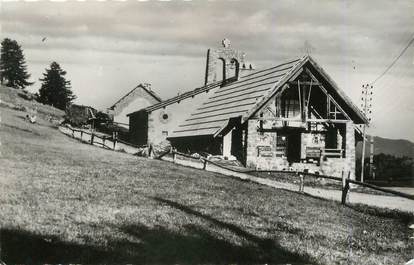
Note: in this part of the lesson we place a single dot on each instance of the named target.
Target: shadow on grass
(191, 244)
(22, 247)
(158, 245)
(259, 250)
(404, 217)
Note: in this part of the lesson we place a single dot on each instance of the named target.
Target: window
(165, 133)
(335, 113)
(281, 145)
(292, 108)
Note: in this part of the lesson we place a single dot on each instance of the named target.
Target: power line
(395, 60)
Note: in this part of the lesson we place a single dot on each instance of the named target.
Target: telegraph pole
(371, 158)
(366, 105)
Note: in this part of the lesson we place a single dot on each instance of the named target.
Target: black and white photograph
(207, 132)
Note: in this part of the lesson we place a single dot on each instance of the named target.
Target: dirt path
(390, 202)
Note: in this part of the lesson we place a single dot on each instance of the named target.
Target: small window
(292, 108)
(165, 133)
(281, 145)
(165, 116)
(281, 140)
(335, 113)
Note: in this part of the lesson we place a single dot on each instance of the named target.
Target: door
(293, 146)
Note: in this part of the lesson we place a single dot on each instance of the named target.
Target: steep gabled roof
(245, 97)
(233, 100)
(131, 95)
(180, 97)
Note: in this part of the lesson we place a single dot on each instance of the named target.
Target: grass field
(67, 202)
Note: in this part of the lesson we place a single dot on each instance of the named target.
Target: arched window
(220, 70)
(234, 68)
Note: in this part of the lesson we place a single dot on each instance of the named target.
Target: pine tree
(13, 69)
(55, 89)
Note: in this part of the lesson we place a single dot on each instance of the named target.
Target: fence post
(301, 184)
(114, 138)
(174, 156)
(73, 133)
(92, 135)
(204, 164)
(103, 141)
(150, 151)
(81, 135)
(345, 189)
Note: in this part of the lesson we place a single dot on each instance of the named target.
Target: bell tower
(226, 62)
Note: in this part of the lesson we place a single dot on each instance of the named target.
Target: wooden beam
(277, 119)
(303, 113)
(327, 120)
(305, 83)
(292, 79)
(300, 100)
(310, 90)
(327, 94)
(299, 120)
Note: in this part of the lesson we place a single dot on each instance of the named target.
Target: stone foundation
(261, 154)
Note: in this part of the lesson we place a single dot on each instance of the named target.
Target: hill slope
(22, 100)
(63, 202)
(397, 148)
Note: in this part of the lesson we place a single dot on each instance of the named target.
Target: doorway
(293, 146)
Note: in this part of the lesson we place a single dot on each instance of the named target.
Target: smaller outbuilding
(140, 97)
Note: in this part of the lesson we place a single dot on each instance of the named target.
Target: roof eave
(359, 114)
(276, 88)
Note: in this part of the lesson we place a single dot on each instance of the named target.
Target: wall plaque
(264, 151)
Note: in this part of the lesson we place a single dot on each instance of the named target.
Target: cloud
(164, 43)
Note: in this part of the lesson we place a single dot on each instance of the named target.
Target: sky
(108, 47)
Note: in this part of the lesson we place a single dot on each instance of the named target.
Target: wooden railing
(313, 152)
(330, 152)
(280, 151)
(344, 180)
(114, 140)
(321, 153)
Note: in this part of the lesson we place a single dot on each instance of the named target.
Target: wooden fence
(202, 163)
(345, 180)
(106, 141)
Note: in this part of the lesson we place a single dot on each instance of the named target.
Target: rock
(161, 148)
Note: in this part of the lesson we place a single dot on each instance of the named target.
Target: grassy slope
(15, 99)
(62, 201)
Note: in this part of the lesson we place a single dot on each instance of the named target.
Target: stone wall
(136, 99)
(261, 153)
(162, 122)
(261, 149)
(224, 60)
(333, 167)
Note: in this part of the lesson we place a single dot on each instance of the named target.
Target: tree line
(55, 89)
(388, 170)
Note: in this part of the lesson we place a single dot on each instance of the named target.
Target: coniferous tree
(55, 89)
(13, 69)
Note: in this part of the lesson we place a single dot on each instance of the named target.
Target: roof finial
(307, 47)
(226, 43)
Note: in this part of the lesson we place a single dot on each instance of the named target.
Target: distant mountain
(397, 148)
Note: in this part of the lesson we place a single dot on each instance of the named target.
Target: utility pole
(366, 109)
(371, 158)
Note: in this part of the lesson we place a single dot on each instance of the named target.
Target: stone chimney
(227, 60)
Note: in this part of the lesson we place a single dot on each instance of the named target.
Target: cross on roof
(226, 43)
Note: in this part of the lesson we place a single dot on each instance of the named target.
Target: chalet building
(290, 116)
(140, 97)
(79, 115)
